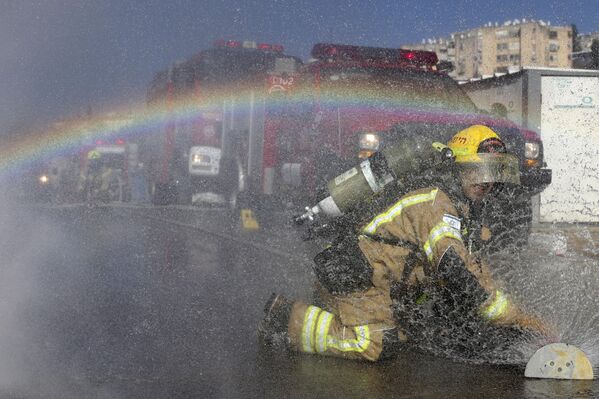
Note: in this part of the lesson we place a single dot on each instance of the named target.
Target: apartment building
(495, 48)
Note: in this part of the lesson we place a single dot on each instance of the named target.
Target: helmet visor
(491, 168)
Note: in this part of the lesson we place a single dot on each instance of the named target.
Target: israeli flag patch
(453, 221)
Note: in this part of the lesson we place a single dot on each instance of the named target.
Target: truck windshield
(392, 87)
(228, 66)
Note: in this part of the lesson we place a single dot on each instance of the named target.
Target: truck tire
(162, 194)
(233, 184)
(184, 193)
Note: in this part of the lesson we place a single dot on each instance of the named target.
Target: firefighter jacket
(422, 239)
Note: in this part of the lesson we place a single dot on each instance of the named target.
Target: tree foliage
(575, 39)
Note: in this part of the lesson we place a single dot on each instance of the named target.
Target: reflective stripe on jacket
(428, 219)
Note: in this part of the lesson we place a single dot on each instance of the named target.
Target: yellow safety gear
(397, 208)
(480, 151)
(315, 334)
(93, 154)
(496, 308)
(466, 143)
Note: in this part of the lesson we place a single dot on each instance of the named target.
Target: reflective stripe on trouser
(314, 330)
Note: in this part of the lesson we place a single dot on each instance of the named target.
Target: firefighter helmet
(94, 154)
(478, 148)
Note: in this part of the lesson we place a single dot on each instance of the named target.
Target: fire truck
(218, 109)
(105, 166)
(276, 131)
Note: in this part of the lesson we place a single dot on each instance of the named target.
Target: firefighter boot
(272, 330)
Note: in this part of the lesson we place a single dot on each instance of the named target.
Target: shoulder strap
(416, 254)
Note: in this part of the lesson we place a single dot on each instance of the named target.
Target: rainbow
(68, 137)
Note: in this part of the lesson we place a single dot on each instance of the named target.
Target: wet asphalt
(122, 302)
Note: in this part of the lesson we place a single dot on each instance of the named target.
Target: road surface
(124, 302)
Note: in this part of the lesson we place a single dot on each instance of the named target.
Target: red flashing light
(232, 43)
(419, 57)
(99, 142)
(277, 48)
(325, 51)
(119, 142)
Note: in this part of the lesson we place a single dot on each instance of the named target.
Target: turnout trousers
(351, 326)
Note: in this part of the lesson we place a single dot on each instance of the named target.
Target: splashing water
(557, 284)
(546, 279)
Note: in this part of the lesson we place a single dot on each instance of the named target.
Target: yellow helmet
(94, 154)
(480, 149)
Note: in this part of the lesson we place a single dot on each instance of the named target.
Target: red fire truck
(276, 130)
(110, 160)
(218, 106)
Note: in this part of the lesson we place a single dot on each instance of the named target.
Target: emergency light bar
(344, 52)
(277, 48)
(104, 142)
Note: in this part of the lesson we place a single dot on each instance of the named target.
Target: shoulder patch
(453, 221)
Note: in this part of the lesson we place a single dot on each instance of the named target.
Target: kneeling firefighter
(417, 242)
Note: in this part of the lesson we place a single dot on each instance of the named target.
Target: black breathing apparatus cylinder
(408, 157)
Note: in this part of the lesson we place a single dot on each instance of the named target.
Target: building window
(501, 34)
(569, 33)
(553, 34)
(502, 46)
(515, 33)
(551, 58)
(515, 58)
(553, 47)
(515, 46)
(501, 69)
(502, 58)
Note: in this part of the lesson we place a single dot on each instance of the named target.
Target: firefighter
(419, 242)
(89, 177)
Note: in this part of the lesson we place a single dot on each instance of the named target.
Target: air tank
(407, 157)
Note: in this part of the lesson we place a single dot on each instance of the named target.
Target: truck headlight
(44, 179)
(369, 141)
(532, 150)
(199, 159)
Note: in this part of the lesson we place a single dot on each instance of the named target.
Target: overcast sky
(57, 57)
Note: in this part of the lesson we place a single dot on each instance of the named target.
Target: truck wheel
(162, 194)
(233, 185)
(184, 194)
